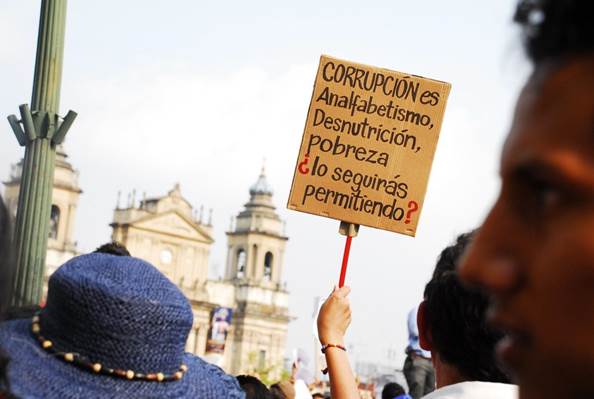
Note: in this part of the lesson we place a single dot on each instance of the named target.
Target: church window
(254, 259)
(268, 266)
(54, 222)
(241, 263)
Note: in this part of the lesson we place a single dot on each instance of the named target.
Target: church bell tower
(257, 243)
(256, 246)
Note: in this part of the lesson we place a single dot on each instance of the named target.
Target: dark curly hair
(113, 248)
(455, 317)
(553, 29)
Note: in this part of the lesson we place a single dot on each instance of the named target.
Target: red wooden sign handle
(345, 261)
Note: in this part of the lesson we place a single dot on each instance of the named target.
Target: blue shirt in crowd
(413, 335)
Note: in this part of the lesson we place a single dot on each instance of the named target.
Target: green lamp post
(39, 130)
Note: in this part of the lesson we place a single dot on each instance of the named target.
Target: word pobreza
(368, 145)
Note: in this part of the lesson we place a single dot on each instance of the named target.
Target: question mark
(303, 169)
(412, 208)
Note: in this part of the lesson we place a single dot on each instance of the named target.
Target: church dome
(261, 187)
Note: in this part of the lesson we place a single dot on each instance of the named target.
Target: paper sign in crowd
(368, 145)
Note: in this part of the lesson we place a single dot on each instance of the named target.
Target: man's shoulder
(475, 390)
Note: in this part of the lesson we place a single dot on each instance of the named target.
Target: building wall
(257, 334)
(183, 260)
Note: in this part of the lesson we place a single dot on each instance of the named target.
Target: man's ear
(424, 334)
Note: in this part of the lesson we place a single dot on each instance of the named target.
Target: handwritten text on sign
(368, 145)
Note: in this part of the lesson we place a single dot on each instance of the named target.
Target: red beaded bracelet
(325, 347)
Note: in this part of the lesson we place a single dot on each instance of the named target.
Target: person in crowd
(253, 387)
(301, 376)
(113, 248)
(300, 368)
(282, 390)
(301, 390)
(418, 369)
(112, 326)
(453, 326)
(534, 254)
(393, 390)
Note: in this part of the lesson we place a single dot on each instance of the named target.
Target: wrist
(338, 342)
(332, 339)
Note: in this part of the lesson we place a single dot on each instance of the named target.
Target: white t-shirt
(301, 390)
(475, 390)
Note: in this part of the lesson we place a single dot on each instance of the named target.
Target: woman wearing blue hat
(113, 327)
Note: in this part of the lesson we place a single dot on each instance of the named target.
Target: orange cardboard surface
(368, 145)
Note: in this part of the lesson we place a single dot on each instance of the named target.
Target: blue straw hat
(112, 327)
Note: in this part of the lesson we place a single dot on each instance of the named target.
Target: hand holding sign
(334, 317)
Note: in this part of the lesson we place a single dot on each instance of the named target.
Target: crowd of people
(507, 312)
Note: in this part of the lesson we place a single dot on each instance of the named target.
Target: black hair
(276, 392)
(113, 248)
(553, 29)
(391, 390)
(253, 387)
(455, 319)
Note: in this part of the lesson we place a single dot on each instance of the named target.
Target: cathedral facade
(166, 231)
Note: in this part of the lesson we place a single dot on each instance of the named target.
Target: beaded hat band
(98, 368)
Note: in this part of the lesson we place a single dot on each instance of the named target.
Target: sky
(199, 93)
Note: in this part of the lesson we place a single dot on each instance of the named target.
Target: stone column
(191, 341)
(201, 341)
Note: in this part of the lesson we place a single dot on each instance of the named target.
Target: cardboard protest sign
(368, 145)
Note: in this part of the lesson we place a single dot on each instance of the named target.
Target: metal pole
(43, 131)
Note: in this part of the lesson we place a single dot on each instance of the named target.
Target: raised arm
(333, 321)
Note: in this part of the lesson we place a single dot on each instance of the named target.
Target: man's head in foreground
(534, 255)
(452, 324)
